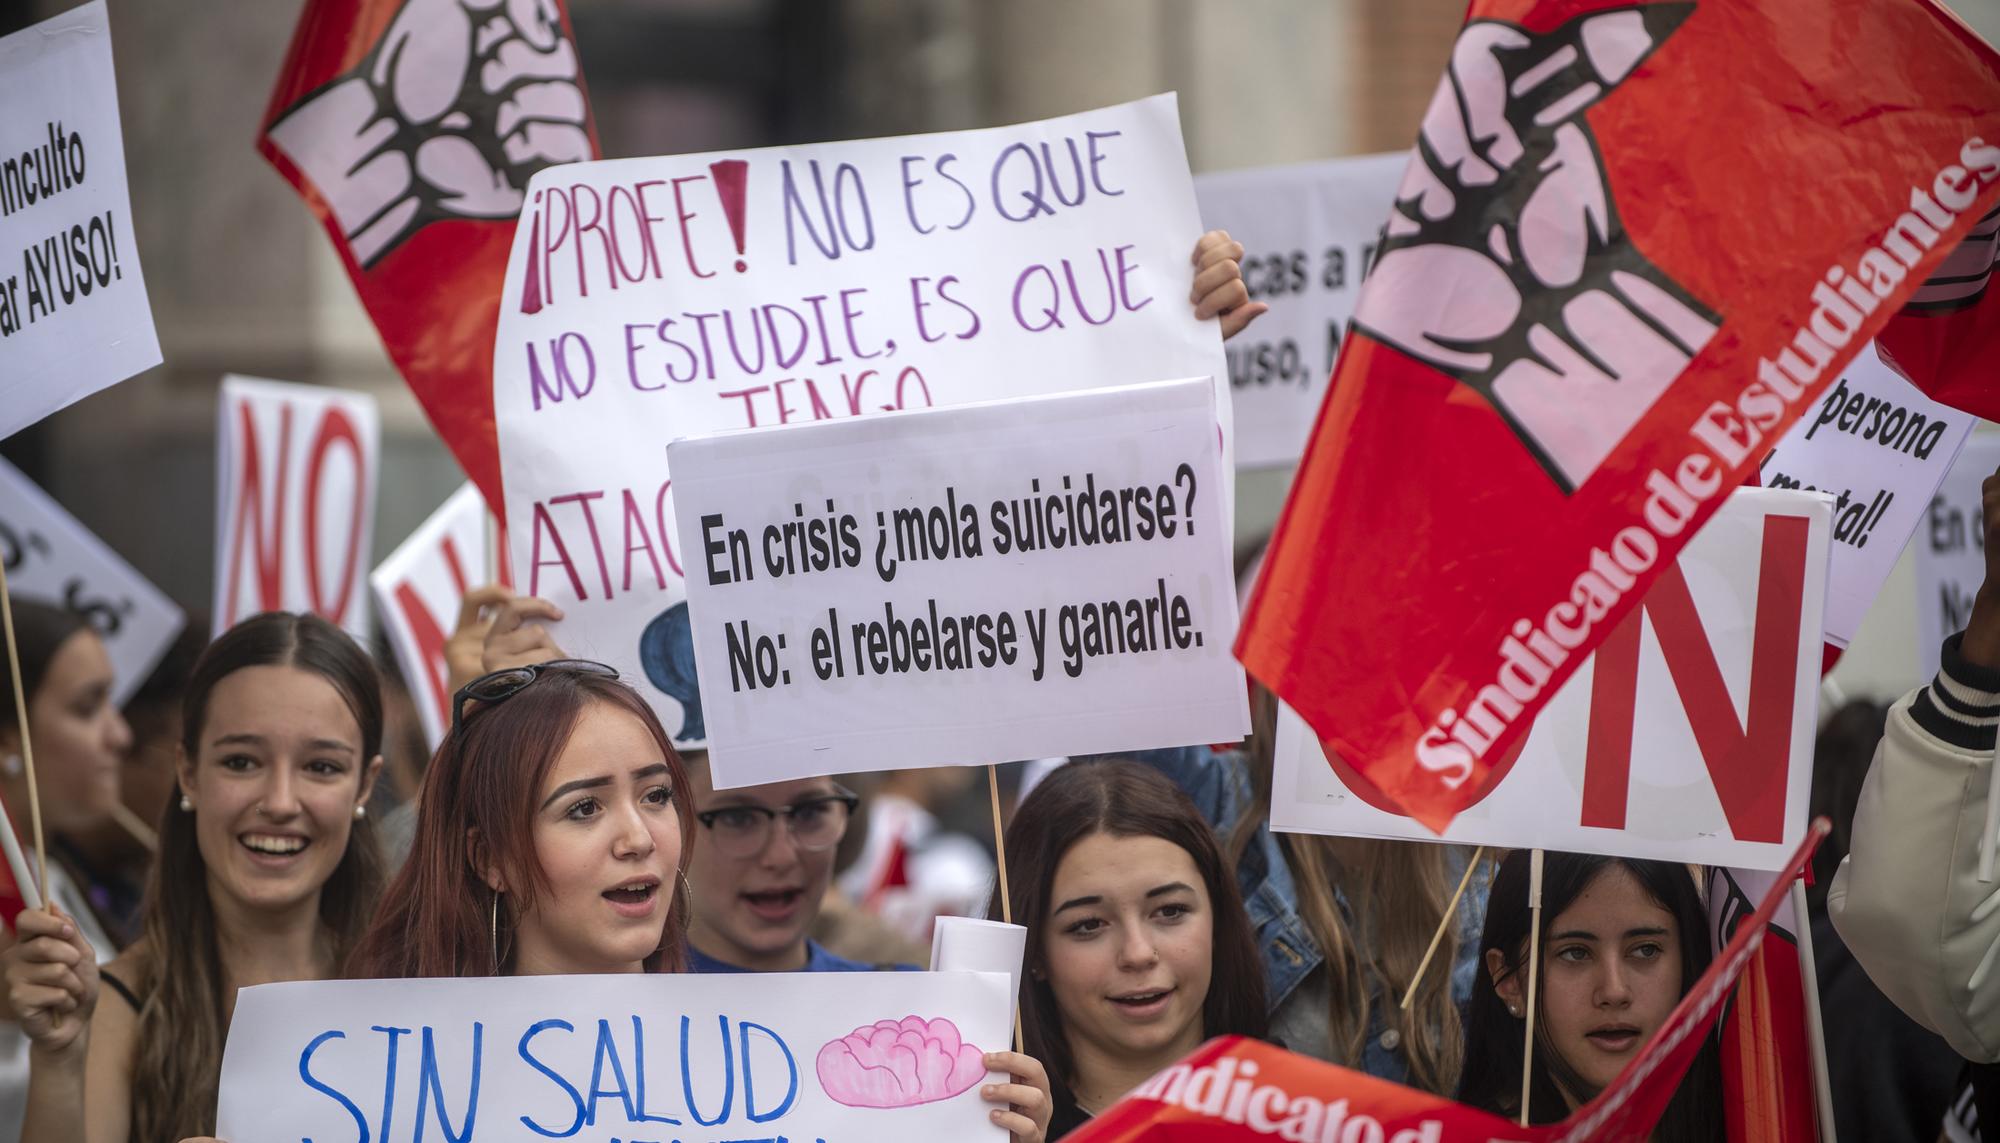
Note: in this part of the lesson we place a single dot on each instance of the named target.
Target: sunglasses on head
(499, 686)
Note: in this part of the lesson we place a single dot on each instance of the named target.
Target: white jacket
(1907, 899)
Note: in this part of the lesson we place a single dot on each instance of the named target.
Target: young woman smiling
(1138, 945)
(1622, 941)
(267, 871)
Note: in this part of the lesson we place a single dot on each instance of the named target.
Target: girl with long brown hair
(267, 872)
(1138, 945)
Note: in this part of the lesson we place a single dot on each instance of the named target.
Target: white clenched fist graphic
(1504, 264)
(448, 116)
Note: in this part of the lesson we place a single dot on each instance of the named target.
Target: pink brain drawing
(899, 1063)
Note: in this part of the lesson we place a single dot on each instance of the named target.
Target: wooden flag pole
(141, 832)
(1444, 925)
(1534, 975)
(1000, 859)
(27, 746)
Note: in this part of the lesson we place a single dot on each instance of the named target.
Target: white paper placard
(73, 312)
(1951, 550)
(419, 589)
(1880, 447)
(51, 557)
(649, 299)
(1308, 231)
(751, 1057)
(1010, 580)
(1696, 750)
(296, 475)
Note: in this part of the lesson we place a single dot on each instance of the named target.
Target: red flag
(1233, 1089)
(1767, 1053)
(411, 128)
(1635, 242)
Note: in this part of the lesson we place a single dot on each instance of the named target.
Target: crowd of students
(557, 830)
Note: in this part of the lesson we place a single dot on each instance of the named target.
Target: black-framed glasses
(815, 824)
(499, 686)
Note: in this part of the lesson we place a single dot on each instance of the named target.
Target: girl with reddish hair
(549, 837)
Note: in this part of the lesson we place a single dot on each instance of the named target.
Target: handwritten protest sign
(419, 588)
(73, 311)
(1951, 550)
(1597, 305)
(764, 1056)
(1011, 580)
(1308, 231)
(1687, 736)
(52, 557)
(649, 299)
(296, 471)
(1880, 448)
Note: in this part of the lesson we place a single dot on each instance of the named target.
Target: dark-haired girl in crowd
(1138, 945)
(267, 872)
(1622, 941)
(79, 738)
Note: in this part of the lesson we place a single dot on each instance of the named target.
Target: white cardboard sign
(1017, 579)
(296, 478)
(419, 589)
(753, 1057)
(1880, 447)
(1308, 232)
(1951, 550)
(51, 557)
(1687, 736)
(73, 311)
(656, 298)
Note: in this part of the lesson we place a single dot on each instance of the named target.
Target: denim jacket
(1219, 786)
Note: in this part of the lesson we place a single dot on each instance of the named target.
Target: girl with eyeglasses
(267, 872)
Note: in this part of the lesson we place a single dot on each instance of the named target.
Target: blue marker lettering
(575, 1097)
(743, 1029)
(639, 1073)
(305, 1073)
(389, 1079)
(606, 1047)
(431, 1086)
(728, 1075)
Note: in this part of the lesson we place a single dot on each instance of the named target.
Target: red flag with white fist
(1634, 243)
(412, 127)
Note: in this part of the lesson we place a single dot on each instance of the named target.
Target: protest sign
(411, 129)
(1598, 304)
(1237, 1090)
(1951, 550)
(1308, 231)
(419, 589)
(649, 299)
(1010, 580)
(1880, 448)
(1698, 708)
(50, 556)
(73, 311)
(296, 475)
(756, 1056)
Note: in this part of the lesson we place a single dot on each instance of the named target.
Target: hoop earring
(493, 929)
(687, 894)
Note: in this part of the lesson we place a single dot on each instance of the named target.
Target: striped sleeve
(1962, 704)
